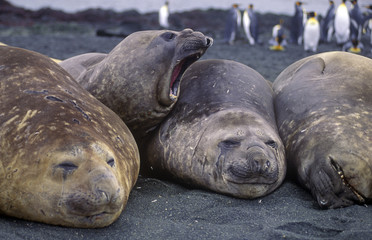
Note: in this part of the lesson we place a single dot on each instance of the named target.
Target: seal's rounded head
(77, 185)
(172, 52)
(241, 157)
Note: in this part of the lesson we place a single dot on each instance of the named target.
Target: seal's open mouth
(340, 173)
(177, 73)
(98, 217)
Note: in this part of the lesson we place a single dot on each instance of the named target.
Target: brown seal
(221, 134)
(65, 158)
(324, 114)
(140, 78)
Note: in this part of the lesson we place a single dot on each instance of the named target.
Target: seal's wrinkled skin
(221, 134)
(65, 158)
(139, 79)
(324, 114)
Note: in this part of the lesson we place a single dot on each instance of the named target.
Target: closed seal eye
(168, 36)
(229, 144)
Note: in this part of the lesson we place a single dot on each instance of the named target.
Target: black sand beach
(160, 209)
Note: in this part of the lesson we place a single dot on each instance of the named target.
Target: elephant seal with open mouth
(140, 78)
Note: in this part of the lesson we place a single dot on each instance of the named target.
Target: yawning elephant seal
(221, 134)
(65, 158)
(324, 114)
(139, 79)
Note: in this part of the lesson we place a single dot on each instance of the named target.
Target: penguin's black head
(311, 14)
(354, 2)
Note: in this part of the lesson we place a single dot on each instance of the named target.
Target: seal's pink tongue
(175, 74)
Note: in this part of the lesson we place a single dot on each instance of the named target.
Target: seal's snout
(100, 193)
(209, 41)
(255, 167)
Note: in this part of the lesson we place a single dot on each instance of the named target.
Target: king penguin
(277, 42)
(368, 21)
(356, 21)
(311, 33)
(250, 24)
(233, 20)
(163, 15)
(327, 23)
(342, 23)
(297, 24)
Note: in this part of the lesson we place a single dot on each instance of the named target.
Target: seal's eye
(111, 162)
(67, 168)
(168, 36)
(272, 144)
(229, 143)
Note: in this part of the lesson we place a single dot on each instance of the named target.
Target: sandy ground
(165, 210)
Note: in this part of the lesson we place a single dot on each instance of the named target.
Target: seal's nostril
(209, 42)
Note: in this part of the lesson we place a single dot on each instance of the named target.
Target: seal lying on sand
(65, 158)
(139, 79)
(324, 114)
(221, 134)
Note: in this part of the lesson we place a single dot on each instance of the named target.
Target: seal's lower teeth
(172, 96)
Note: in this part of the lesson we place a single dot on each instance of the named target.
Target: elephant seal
(65, 158)
(323, 106)
(221, 134)
(139, 79)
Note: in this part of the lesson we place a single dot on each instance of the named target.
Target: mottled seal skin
(323, 106)
(139, 79)
(221, 134)
(65, 158)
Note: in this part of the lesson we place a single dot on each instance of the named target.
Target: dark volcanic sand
(165, 210)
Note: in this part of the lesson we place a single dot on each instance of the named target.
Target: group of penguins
(347, 26)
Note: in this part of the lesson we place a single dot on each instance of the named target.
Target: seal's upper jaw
(190, 47)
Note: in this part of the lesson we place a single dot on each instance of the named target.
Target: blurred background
(145, 6)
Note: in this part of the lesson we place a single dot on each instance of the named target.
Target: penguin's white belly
(311, 36)
(246, 26)
(163, 17)
(342, 25)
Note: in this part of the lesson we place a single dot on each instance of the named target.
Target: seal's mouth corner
(178, 70)
(338, 169)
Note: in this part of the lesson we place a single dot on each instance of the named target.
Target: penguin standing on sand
(232, 26)
(278, 42)
(356, 21)
(297, 24)
(327, 23)
(164, 15)
(250, 24)
(368, 21)
(311, 33)
(356, 25)
(342, 23)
